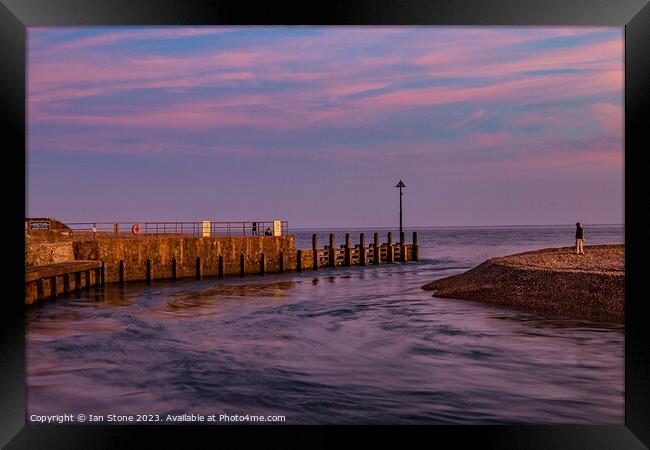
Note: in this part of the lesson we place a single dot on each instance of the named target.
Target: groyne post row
(53, 280)
(314, 259)
(359, 254)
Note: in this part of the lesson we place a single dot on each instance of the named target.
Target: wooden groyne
(52, 280)
(359, 254)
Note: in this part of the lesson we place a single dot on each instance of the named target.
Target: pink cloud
(489, 59)
(141, 34)
(609, 117)
(326, 83)
(467, 121)
(490, 139)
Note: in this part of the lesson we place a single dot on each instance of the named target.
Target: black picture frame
(16, 15)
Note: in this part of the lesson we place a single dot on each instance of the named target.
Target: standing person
(254, 228)
(580, 239)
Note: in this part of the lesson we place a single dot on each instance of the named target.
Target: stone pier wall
(41, 253)
(163, 250)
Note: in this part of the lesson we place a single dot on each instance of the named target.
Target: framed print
(414, 220)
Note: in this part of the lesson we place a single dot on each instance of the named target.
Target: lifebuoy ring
(135, 229)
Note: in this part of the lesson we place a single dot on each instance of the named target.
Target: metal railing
(107, 230)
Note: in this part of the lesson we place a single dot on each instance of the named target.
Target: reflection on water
(350, 345)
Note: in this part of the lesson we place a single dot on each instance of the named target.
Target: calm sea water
(348, 345)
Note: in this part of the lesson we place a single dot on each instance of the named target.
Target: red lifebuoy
(135, 229)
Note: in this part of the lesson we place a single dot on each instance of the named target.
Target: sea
(354, 345)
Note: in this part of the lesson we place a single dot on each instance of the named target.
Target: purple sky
(315, 125)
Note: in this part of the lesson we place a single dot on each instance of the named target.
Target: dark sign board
(40, 225)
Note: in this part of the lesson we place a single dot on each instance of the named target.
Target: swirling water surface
(337, 346)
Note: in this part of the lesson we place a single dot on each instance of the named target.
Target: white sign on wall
(40, 225)
(277, 228)
(206, 228)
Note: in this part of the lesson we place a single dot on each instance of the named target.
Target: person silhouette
(580, 239)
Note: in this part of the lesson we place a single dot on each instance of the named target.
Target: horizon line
(457, 226)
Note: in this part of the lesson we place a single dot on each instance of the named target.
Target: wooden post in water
(241, 265)
(299, 261)
(281, 262)
(362, 249)
(402, 247)
(98, 278)
(220, 263)
(149, 271)
(347, 258)
(53, 287)
(66, 283)
(121, 275)
(389, 248)
(174, 274)
(332, 252)
(198, 267)
(375, 245)
(77, 282)
(87, 277)
(416, 248)
(40, 290)
(314, 248)
(102, 276)
(262, 263)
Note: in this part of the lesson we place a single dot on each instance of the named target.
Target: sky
(316, 125)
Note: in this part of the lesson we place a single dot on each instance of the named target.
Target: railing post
(332, 252)
(416, 248)
(377, 254)
(347, 259)
(314, 248)
(362, 249)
